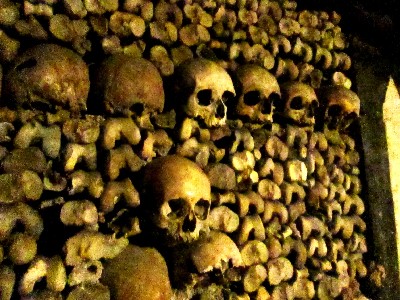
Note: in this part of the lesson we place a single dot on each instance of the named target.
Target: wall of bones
(179, 150)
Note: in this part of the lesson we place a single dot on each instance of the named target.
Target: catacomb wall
(289, 204)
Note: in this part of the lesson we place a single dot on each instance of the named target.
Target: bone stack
(266, 202)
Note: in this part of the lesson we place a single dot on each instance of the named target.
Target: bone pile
(178, 150)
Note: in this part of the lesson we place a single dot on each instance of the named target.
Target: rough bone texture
(287, 196)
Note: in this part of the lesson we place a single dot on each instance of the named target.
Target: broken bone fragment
(251, 228)
(87, 272)
(254, 277)
(92, 245)
(215, 251)
(224, 219)
(115, 129)
(51, 268)
(50, 137)
(254, 252)
(248, 203)
(90, 181)
(17, 187)
(75, 153)
(79, 213)
(279, 269)
(115, 191)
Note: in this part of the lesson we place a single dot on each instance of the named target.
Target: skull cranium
(178, 200)
(203, 87)
(129, 85)
(340, 107)
(259, 91)
(300, 103)
(49, 76)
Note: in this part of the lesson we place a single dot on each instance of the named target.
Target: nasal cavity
(189, 224)
(220, 112)
(267, 107)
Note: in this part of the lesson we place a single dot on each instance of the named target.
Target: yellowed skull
(49, 77)
(203, 87)
(340, 106)
(177, 198)
(300, 103)
(258, 91)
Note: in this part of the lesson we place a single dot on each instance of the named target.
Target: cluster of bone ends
(175, 187)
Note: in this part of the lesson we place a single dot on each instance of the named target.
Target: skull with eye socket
(258, 92)
(340, 107)
(128, 86)
(177, 199)
(203, 88)
(300, 104)
(48, 77)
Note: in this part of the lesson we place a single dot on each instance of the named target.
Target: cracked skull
(300, 103)
(129, 85)
(48, 76)
(258, 92)
(178, 198)
(204, 87)
(340, 107)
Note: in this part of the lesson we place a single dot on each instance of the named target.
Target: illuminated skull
(258, 92)
(203, 87)
(177, 198)
(127, 85)
(340, 107)
(48, 77)
(300, 103)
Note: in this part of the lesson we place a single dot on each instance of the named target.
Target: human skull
(300, 103)
(48, 76)
(137, 273)
(128, 85)
(259, 90)
(177, 198)
(204, 87)
(340, 107)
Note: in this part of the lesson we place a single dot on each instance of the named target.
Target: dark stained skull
(340, 107)
(48, 76)
(300, 103)
(128, 85)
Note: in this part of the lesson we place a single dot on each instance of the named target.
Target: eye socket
(201, 209)
(349, 119)
(179, 208)
(227, 97)
(314, 104)
(313, 107)
(252, 98)
(27, 64)
(296, 103)
(137, 108)
(274, 98)
(267, 106)
(204, 97)
(334, 110)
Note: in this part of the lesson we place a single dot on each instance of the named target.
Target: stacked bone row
(264, 203)
(304, 45)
